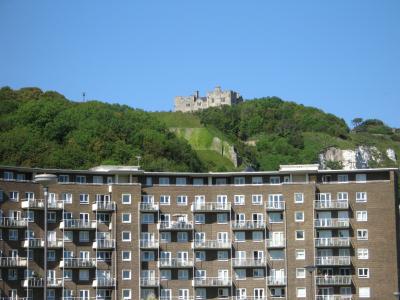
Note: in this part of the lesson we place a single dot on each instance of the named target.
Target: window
(276, 254)
(343, 178)
(298, 198)
(362, 234)
(181, 200)
(362, 216)
(363, 272)
(257, 236)
(181, 181)
(67, 274)
(223, 255)
(165, 274)
(275, 217)
(149, 181)
(126, 274)
(361, 178)
(198, 181)
(51, 217)
(8, 175)
(1, 196)
(361, 197)
(199, 218)
(68, 236)
(364, 292)
(126, 255)
(126, 198)
(200, 255)
(14, 196)
(182, 237)
(126, 218)
(300, 254)
(220, 181)
(183, 274)
(239, 199)
(299, 216)
(126, 236)
(147, 256)
(300, 273)
(240, 274)
(163, 181)
(258, 273)
(256, 180)
(66, 197)
(98, 179)
(13, 234)
(51, 255)
(84, 236)
(222, 218)
(165, 200)
(80, 179)
(274, 180)
(256, 199)
(239, 180)
(362, 253)
(126, 294)
(147, 218)
(12, 274)
(299, 235)
(165, 237)
(103, 218)
(240, 236)
(301, 292)
(83, 275)
(84, 199)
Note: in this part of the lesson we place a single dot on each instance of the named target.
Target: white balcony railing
(338, 204)
(211, 206)
(209, 244)
(333, 260)
(249, 298)
(272, 280)
(212, 281)
(275, 205)
(175, 263)
(149, 282)
(248, 225)
(39, 243)
(104, 282)
(104, 244)
(12, 222)
(175, 225)
(11, 262)
(271, 243)
(149, 206)
(104, 206)
(39, 282)
(248, 262)
(77, 224)
(332, 242)
(334, 297)
(149, 244)
(332, 223)
(333, 280)
(78, 263)
(39, 204)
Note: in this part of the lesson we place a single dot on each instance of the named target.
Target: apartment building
(118, 232)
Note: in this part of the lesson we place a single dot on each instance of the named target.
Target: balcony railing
(272, 280)
(77, 224)
(248, 298)
(149, 206)
(104, 244)
(248, 225)
(248, 262)
(175, 263)
(337, 204)
(104, 282)
(332, 242)
(149, 244)
(78, 263)
(12, 222)
(211, 206)
(104, 206)
(333, 280)
(333, 260)
(334, 297)
(39, 243)
(39, 204)
(207, 244)
(275, 205)
(39, 282)
(212, 281)
(275, 243)
(149, 282)
(332, 223)
(12, 262)
(176, 225)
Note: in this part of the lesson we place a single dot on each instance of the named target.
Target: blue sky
(341, 56)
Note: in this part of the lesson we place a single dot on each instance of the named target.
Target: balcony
(211, 207)
(248, 262)
(83, 263)
(332, 242)
(149, 207)
(12, 222)
(175, 226)
(275, 205)
(104, 244)
(334, 297)
(149, 244)
(272, 280)
(333, 280)
(328, 205)
(207, 244)
(39, 282)
(149, 282)
(77, 224)
(248, 225)
(333, 261)
(175, 263)
(104, 206)
(211, 281)
(332, 223)
(39, 243)
(104, 282)
(275, 243)
(38, 204)
(249, 298)
(12, 262)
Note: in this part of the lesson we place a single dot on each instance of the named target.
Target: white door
(14, 253)
(240, 218)
(199, 200)
(183, 294)
(277, 238)
(258, 294)
(84, 295)
(84, 217)
(183, 256)
(51, 236)
(200, 236)
(222, 237)
(241, 294)
(201, 274)
(258, 255)
(51, 276)
(165, 256)
(241, 254)
(223, 274)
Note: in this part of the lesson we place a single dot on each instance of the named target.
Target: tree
(356, 122)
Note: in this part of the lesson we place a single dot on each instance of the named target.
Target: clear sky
(342, 56)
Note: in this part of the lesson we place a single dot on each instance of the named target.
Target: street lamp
(311, 269)
(45, 180)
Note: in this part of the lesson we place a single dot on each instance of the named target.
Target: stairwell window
(362, 216)
(300, 254)
(126, 236)
(364, 292)
(362, 253)
(126, 218)
(126, 255)
(361, 197)
(301, 292)
(298, 198)
(126, 274)
(126, 294)
(363, 272)
(126, 198)
(300, 235)
(362, 234)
